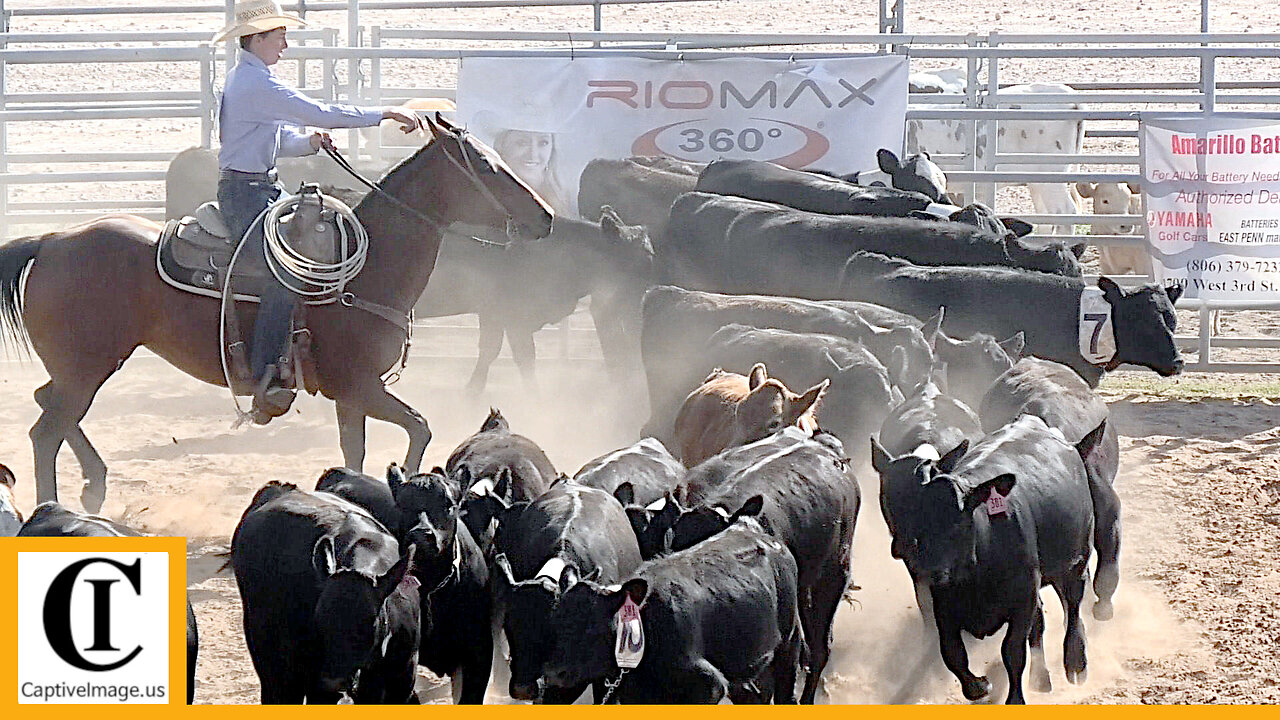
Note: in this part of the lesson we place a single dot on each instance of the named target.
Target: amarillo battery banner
(549, 117)
(1212, 191)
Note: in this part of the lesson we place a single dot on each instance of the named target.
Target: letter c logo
(57, 613)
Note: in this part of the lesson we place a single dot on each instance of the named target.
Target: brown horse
(93, 295)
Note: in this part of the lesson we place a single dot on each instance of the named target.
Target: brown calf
(728, 410)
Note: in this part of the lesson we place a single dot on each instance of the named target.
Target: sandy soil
(1196, 614)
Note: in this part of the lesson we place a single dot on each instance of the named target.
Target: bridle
(469, 171)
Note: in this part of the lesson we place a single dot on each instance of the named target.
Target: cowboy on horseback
(260, 119)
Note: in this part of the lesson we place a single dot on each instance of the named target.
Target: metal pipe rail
(52, 178)
(74, 205)
(171, 111)
(94, 157)
(310, 7)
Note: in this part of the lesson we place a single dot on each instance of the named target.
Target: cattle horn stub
(932, 326)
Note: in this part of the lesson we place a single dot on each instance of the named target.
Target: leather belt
(229, 174)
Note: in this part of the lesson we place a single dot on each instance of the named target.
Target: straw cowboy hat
(255, 16)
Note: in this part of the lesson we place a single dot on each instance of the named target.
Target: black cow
(482, 507)
(729, 244)
(929, 416)
(717, 619)
(1045, 308)
(518, 288)
(53, 520)
(677, 324)
(494, 447)
(1052, 392)
(914, 173)
(456, 606)
(639, 189)
(810, 503)
(364, 490)
(808, 191)
(330, 607)
(656, 524)
(861, 390)
(985, 529)
(972, 363)
(647, 466)
(568, 525)
(916, 193)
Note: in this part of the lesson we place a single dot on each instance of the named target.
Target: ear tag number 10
(630, 646)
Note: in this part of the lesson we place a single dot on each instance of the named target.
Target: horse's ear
(444, 124)
(434, 124)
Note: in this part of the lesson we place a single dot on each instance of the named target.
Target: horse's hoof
(1103, 610)
(92, 496)
(1040, 681)
(1077, 677)
(978, 689)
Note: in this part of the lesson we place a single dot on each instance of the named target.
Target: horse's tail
(15, 258)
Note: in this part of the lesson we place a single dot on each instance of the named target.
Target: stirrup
(271, 401)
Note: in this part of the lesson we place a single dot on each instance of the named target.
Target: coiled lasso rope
(297, 272)
(304, 275)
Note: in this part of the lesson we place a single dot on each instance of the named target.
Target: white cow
(1116, 199)
(952, 137)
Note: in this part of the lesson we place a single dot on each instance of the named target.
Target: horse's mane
(396, 176)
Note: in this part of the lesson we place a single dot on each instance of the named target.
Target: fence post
(375, 93)
(4, 127)
(329, 68)
(208, 97)
(971, 100)
(353, 65)
(986, 192)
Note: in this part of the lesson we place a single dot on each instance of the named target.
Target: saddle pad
(192, 260)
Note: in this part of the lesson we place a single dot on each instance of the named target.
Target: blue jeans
(241, 200)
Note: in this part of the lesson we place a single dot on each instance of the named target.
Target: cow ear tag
(629, 648)
(996, 504)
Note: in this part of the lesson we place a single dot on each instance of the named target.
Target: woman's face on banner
(528, 153)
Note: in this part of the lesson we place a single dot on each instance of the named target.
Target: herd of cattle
(783, 318)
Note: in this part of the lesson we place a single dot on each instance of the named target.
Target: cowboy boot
(270, 398)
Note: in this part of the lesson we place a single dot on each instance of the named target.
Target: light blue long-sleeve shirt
(261, 118)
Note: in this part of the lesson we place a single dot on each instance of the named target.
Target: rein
(469, 171)
(346, 165)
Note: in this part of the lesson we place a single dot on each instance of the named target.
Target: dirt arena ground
(1197, 619)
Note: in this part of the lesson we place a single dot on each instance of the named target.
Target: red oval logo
(702, 140)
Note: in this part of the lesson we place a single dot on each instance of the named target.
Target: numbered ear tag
(996, 504)
(629, 649)
(1097, 334)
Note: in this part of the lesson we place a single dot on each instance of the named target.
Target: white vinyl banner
(1212, 191)
(549, 117)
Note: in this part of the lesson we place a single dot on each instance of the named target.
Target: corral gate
(353, 72)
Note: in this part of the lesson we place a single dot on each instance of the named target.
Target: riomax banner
(549, 117)
(1212, 191)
